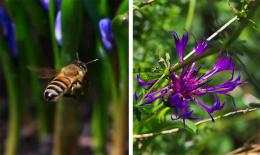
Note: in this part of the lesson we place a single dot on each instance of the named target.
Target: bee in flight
(66, 81)
(69, 79)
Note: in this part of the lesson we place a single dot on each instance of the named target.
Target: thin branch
(142, 4)
(214, 34)
(247, 149)
(175, 130)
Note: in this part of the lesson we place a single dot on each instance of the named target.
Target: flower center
(185, 87)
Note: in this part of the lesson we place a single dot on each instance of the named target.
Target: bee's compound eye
(49, 96)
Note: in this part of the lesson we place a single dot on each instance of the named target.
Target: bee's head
(81, 65)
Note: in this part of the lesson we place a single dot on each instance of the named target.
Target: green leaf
(71, 17)
(123, 8)
(190, 126)
(162, 113)
(91, 7)
(120, 31)
(137, 113)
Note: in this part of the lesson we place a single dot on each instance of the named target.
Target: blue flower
(8, 31)
(189, 85)
(106, 33)
(45, 4)
(58, 31)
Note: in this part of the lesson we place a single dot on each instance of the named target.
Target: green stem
(65, 137)
(12, 141)
(120, 126)
(120, 30)
(99, 121)
(31, 60)
(53, 39)
(191, 10)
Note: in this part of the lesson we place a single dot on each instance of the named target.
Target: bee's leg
(73, 90)
(76, 85)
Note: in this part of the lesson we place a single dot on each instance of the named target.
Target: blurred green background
(153, 20)
(92, 124)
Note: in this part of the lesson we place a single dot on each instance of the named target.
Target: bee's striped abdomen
(56, 88)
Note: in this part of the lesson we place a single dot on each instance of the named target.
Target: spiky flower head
(189, 85)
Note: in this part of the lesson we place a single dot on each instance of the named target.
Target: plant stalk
(12, 141)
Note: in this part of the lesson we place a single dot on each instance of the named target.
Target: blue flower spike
(106, 33)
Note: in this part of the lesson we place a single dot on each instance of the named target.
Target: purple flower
(189, 84)
(58, 32)
(106, 33)
(8, 31)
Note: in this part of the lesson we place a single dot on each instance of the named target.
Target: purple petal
(151, 99)
(180, 44)
(157, 91)
(175, 103)
(186, 114)
(174, 77)
(203, 105)
(143, 83)
(214, 107)
(58, 31)
(217, 105)
(226, 86)
(191, 117)
(224, 62)
(201, 47)
(176, 100)
(106, 33)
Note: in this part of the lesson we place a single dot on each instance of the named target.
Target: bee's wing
(43, 73)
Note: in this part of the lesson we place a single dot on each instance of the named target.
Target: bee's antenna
(92, 61)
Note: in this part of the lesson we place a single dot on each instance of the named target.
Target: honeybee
(69, 79)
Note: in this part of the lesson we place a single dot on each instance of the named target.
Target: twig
(148, 2)
(214, 34)
(171, 131)
(247, 149)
